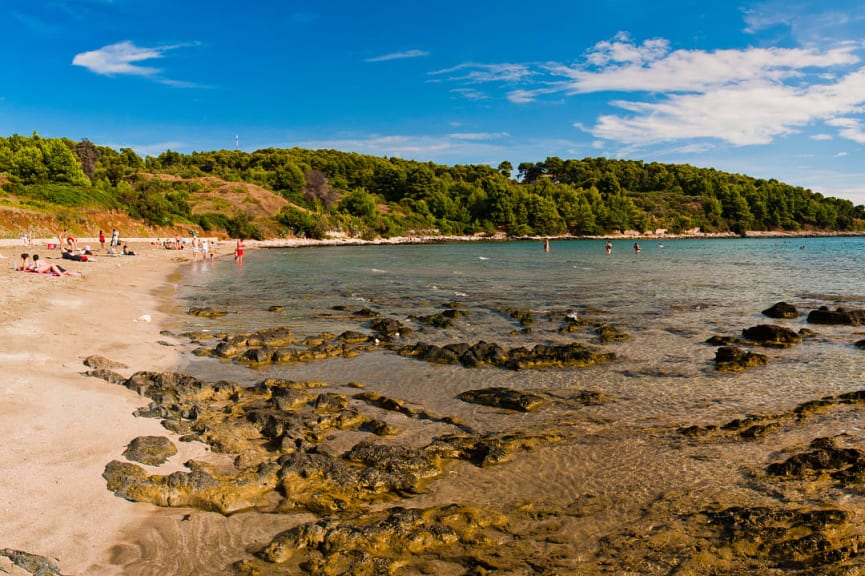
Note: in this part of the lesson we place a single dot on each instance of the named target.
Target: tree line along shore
(282, 194)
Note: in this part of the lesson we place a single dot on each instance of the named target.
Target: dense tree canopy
(329, 190)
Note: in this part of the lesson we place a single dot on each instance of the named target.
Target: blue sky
(771, 89)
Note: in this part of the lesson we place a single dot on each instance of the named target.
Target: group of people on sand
(38, 266)
(200, 246)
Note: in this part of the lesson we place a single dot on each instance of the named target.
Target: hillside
(50, 184)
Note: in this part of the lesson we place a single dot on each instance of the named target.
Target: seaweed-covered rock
(723, 340)
(389, 328)
(102, 363)
(203, 487)
(823, 456)
(207, 312)
(543, 355)
(386, 541)
(772, 335)
(781, 310)
(504, 398)
(150, 450)
(733, 358)
(32, 563)
(843, 316)
(608, 333)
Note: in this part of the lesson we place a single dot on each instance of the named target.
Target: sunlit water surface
(669, 299)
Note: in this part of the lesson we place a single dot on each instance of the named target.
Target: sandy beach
(60, 428)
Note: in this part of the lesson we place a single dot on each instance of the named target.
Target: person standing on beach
(102, 239)
(115, 238)
(608, 247)
(238, 252)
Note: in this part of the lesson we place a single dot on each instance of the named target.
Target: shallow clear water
(668, 299)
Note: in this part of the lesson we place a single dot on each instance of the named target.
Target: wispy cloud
(849, 128)
(470, 93)
(398, 56)
(125, 58)
(478, 135)
(479, 73)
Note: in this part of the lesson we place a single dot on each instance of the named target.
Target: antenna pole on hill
(237, 141)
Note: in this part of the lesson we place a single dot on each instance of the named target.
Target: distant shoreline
(441, 239)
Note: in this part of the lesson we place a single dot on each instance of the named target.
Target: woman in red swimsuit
(238, 252)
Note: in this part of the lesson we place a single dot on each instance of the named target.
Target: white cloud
(740, 96)
(820, 137)
(398, 56)
(125, 58)
(622, 50)
(120, 58)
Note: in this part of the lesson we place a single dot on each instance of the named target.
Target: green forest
(330, 191)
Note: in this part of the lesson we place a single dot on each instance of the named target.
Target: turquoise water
(668, 299)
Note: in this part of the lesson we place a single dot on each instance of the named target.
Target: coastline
(60, 428)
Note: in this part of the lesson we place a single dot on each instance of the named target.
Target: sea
(624, 454)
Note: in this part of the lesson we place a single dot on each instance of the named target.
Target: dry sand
(58, 428)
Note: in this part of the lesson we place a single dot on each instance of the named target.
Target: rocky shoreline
(280, 437)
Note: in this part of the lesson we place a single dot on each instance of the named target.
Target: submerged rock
(482, 353)
(504, 398)
(207, 312)
(388, 541)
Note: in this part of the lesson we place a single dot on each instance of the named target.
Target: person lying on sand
(69, 255)
(42, 267)
(26, 263)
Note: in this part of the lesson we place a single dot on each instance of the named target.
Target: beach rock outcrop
(506, 398)
(278, 429)
(823, 457)
(203, 487)
(150, 450)
(772, 336)
(733, 359)
(781, 310)
(97, 362)
(841, 315)
(32, 563)
(207, 312)
(483, 353)
(458, 538)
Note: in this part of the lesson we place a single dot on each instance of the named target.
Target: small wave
(378, 270)
(458, 293)
(482, 258)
